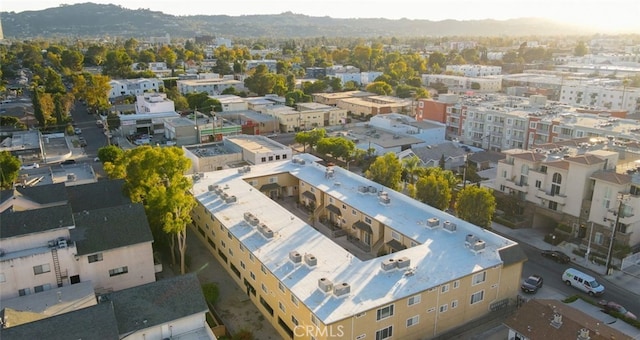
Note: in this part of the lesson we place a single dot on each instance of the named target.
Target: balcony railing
(550, 196)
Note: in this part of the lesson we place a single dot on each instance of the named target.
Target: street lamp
(621, 198)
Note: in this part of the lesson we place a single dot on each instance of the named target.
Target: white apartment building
(213, 87)
(133, 87)
(576, 186)
(231, 102)
(154, 103)
(258, 149)
(475, 71)
(617, 98)
(459, 84)
(65, 236)
(269, 63)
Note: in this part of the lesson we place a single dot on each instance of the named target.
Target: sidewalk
(535, 238)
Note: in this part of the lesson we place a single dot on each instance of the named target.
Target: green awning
(363, 226)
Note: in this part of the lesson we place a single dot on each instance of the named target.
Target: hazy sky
(604, 14)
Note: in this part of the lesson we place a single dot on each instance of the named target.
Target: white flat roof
(439, 257)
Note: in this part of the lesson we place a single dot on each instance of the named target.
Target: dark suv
(68, 162)
(557, 256)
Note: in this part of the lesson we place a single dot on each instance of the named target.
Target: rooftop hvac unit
(71, 177)
(213, 187)
(254, 221)
(325, 284)
(248, 216)
(388, 264)
(450, 226)
(478, 245)
(294, 161)
(247, 169)
(433, 222)
(302, 162)
(310, 260)
(341, 289)
(363, 189)
(295, 257)
(230, 199)
(225, 196)
(385, 200)
(372, 189)
(266, 231)
(470, 239)
(241, 170)
(403, 262)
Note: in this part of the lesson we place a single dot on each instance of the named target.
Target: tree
(476, 205)
(167, 55)
(9, 168)
(155, 177)
(297, 96)
(113, 121)
(411, 166)
(261, 81)
(434, 191)
(442, 163)
(53, 82)
(310, 138)
(581, 49)
(386, 170)
(380, 88)
(72, 60)
(109, 153)
(117, 64)
(38, 112)
(337, 147)
(179, 101)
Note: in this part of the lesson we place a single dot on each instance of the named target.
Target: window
(477, 297)
(413, 300)
(395, 235)
(263, 269)
(251, 258)
(241, 248)
(42, 288)
(444, 288)
(284, 156)
(431, 310)
(312, 189)
(538, 183)
(253, 276)
(25, 291)
(454, 304)
(273, 179)
(242, 265)
(294, 320)
(264, 288)
(314, 320)
(2, 278)
(229, 235)
(270, 158)
(353, 212)
(277, 157)
(230, 252)
(479, 278)
(41, 269)
(95, 258)
(384, 333)
(599, 238)
(384, 312)
(281, 306)
(456, 284)
(263, 159)
(118, 271)
(281, 286)
(367, 220)
(224, 245)
(444, 308)
(413, 321)
(294, 300)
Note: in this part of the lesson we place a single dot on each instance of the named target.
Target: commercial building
(213, 87)
(411, 270)
(154, 103)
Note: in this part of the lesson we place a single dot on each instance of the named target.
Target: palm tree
(412, 165)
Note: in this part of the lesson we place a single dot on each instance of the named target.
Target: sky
(607, 15)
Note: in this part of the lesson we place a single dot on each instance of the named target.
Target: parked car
(29, 166)
(532, 284)
(579, 280)
(557, 256)
(83, 142)
(68, 162)
(99, 123)
(77, 131)
(610, 306)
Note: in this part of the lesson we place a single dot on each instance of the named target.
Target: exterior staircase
(56, 266)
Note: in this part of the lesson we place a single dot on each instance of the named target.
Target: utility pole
(609, 269)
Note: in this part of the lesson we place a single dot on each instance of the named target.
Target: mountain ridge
(97, 20)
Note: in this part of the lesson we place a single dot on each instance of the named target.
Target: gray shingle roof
(97, 195)
(435, 152)
(34, 221)
(157, 302)
(512, 254)
(95, 322)
(110, 228)
(44, 194)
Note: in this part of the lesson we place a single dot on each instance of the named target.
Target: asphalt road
(551, 272)
(90, 131)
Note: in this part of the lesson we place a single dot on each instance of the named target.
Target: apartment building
(306, 116)
(575, 185)
(133, 87)
(460, 84)
(382, 272)
(374, 105)
(70, 237)
(333, 98)
(154, 103)
(213, 87)
(475, 71)
(618, 98)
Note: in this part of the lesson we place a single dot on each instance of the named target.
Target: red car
(610, 306)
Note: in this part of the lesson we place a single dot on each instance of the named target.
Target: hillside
(94, 20)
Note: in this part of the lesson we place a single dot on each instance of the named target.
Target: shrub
(564, 228)
(571, 299)
(210, 292)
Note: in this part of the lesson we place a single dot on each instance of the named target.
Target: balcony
(558, 198)
(516, 185)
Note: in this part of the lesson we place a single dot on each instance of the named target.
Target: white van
(582, 281)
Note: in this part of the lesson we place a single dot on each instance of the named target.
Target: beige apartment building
(307, 116)
(391, 267)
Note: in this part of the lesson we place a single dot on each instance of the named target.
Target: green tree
(310, 138)
(156, 177)
(411, 166)
(476, 205)
(167, 55)
(337, 147)
(386, 170)
(380, 88)
(581, 49)
(38, 111)
(261, 81)
(9, 168)
(297, 96)
(117, 64)
(53, 82)
(442, 163)
(72, 60)
(113, 121)
(110, 153)
(95, 55)
(434, 191)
